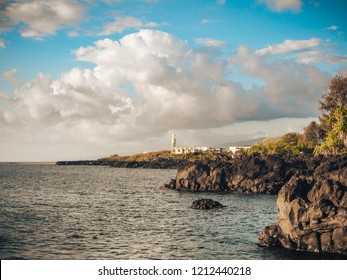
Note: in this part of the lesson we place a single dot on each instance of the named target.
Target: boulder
(312, 211)
(205, 204)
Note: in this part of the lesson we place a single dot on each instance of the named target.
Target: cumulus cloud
(283, 5)
(289, 46)
(149, 83)
(40, 18)
(316, 56)
(209, 42)
(309, 51)
(77, 103)
(290, 86)
(122, 23)
(332, 27)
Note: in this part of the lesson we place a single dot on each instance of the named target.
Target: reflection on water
(84, 212)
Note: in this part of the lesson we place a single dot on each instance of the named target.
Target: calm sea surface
(92, 212)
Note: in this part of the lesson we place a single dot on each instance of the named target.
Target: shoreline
(27, 163)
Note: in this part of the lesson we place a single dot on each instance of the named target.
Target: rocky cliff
(312, 211)
(243, 174)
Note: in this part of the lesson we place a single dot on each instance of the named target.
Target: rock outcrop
(254, 174)
(160, 163)
(205, 204)
(312, 211)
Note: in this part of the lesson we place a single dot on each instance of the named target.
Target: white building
(236, 149)
(187, 150)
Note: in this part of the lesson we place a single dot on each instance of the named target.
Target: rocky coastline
(249, 174)
(160, 163)
(312, 211)
(312, 195)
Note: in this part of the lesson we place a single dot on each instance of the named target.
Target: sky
(88, 79)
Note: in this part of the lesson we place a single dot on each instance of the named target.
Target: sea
(51, 212)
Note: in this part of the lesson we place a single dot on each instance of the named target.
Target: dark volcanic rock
(204, 204)
(312, 211)
(159, 163)
(244, 174)
(84, 162)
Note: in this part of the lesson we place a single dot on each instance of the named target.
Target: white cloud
(290, 86)
(207, 21)
(119, 1)
(73, 34)
(305, 51)
(122, 23)
(2, 43)
(283, 5)
(42, 17)
(332, 27)
(289, 46)
(342, 71)
(11, 76)
(209, 42)
(112, 1)
(221, 2)
(316, 56)
(148, 84)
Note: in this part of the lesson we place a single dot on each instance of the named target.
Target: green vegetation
(327, 137)
(336, 140)
(163, 155)
(290, 143)
(140, 157)
(333, 121)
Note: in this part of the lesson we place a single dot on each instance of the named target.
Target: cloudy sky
(87, 79)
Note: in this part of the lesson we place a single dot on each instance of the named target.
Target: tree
(291, 143)
(311, 135)
(336, 140)
(335, 97)
(334, 117)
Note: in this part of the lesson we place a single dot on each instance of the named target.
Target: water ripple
(84, 212)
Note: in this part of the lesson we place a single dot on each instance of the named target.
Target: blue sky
(92, 78)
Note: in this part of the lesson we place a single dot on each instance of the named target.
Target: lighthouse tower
(173, 143)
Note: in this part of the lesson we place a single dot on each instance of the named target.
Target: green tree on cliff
(336, 138)
(312, 135)
(334, 117)
(335, 97)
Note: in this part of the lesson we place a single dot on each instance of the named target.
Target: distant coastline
(28, 162)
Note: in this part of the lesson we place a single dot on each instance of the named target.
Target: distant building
(173, 144)
(188, 150)
(236, 149)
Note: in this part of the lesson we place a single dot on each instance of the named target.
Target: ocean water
(96, 212)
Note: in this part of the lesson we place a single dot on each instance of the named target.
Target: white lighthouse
(173, 144)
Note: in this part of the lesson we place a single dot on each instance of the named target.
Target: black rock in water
(204, 204)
